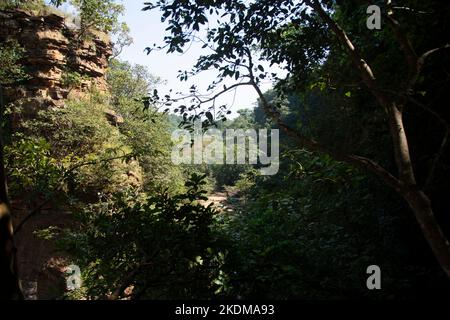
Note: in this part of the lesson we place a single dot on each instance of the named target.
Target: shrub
(149, 247)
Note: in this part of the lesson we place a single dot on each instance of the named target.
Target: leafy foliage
(32, 170)
(72, 79)
(10, 54)
(157, 246)
(146, 131)
(22, 4)
(101, 15)
(310, 234)
(129, 81)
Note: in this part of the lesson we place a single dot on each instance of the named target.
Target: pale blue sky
(146, 29)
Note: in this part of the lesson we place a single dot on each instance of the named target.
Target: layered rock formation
(59, 60)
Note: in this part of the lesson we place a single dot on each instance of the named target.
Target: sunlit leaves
(11, 70)
(102, 15)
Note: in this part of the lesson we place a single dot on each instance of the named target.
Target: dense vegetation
(363, 176)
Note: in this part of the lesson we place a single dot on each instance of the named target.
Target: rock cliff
(59, 60)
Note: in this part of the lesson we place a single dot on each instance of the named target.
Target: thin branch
(431, 111)
(403, 40)
(436, 161)
(414, 61)
(420, 63)
(129, 278)
(215, 96)
(367, 74)
(409, 9)
(127, 281)
(421, 105)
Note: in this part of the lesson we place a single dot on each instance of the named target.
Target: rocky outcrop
(58, 59)
(113, 117)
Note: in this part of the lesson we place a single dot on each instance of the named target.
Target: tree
(129, 81)
(243, 26)
(123, 40)
(146, 132)
(100, 15)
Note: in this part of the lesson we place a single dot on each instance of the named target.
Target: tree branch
(403, 40)
(436, 162)
(130, 277)
(312, 145)
(420, 63)
(127, 281)
(199, 97)
(10, 286)
(430, 111)
(394, 110)
(367, 74)
(414, 61)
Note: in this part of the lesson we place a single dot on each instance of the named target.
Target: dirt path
(221, 200)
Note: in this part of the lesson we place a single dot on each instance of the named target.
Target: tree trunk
(421, 206)
(9, 288)
(400, 142)
(417, 199)
(406, 184)
(9, 282)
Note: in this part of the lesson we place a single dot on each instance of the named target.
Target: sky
(146, 29)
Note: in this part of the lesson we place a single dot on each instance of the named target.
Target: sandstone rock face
(55, 51)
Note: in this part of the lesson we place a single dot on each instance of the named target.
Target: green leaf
(209, 116)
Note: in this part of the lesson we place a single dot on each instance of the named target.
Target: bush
(33, 172)
(11, 71)
(22, 4)
(80, 136)
(311, 233)
(148, 247)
